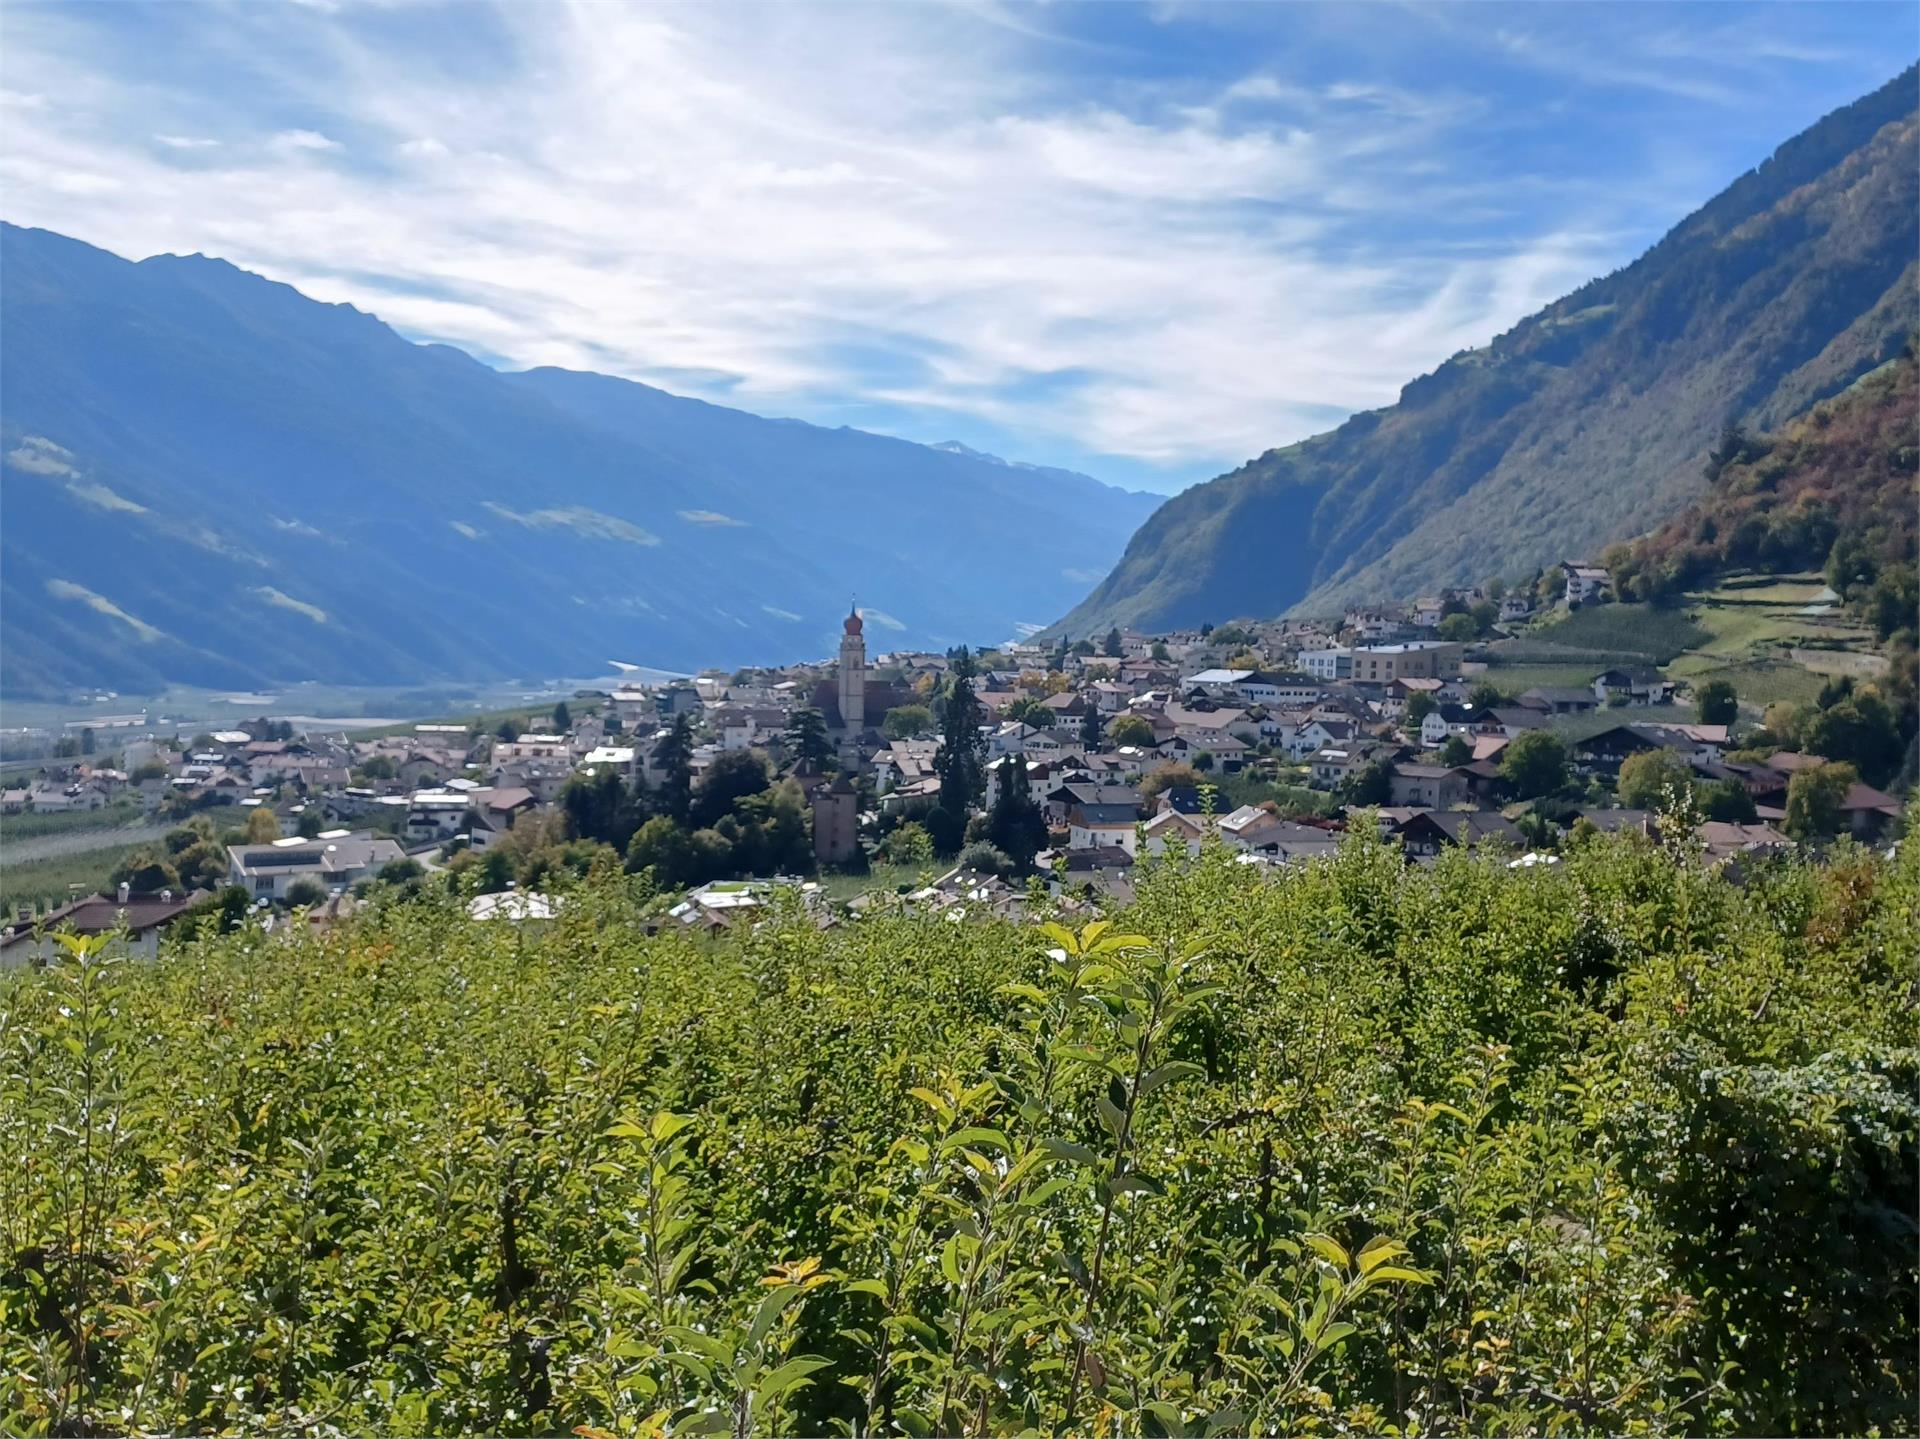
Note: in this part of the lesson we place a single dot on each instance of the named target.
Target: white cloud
(665, 192)
(303, 140)
(709, 517)
(39, 456)
(185, 142)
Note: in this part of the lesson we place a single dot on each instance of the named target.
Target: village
(1088, 759)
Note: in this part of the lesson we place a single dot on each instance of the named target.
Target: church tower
(853, 674)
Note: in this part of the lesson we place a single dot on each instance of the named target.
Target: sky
(1148, 242)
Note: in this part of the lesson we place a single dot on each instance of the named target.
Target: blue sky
(1143, 241)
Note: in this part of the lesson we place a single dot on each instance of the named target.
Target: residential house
(1618, 821)
(434, 815)
(139, 920)
(1334, 765)
(903, 761)
(1061, 800)
(1173, 829)
(335, 859)
(1372, 626)
(622, 759)
(1584, 582)
(1725, 842)
(1429, 831)
(1633, 687)
(1428, 786)
(1868, 813)
(1557, 700)
(1605, 752)
(1091, 826)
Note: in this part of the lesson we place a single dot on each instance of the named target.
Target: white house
(334, 859)
(435, 814)
(1584, 582)
(620, 758)
(1091, 826)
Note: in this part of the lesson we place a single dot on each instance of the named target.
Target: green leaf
(1168, 1072)
(1379, 1250)
(694, 1365)
(1332, 1335)
(769, 1311)
(974, 1135)
(876, 1287)
(1394, 1274)
(933, 1101)
(1329, 1249)
(1068, 1150)
(1222, 1420)
(789, 1376)
(1169, 1417)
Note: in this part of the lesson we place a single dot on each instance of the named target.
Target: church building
(852, 686)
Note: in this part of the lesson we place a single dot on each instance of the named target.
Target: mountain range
(1585, 423)
(208, 478)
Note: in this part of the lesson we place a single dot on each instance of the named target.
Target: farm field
(25, 826)
(51, 879)
(1752, 630)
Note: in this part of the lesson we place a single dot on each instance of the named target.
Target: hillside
(1843, 474)
(1584, 423)
(211, 479)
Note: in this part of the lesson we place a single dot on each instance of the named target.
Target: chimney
(126, 892)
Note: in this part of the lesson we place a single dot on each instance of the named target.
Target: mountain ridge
(1584, 422)
(208, 478)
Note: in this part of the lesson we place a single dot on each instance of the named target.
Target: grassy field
(884, 877)
(41, 881)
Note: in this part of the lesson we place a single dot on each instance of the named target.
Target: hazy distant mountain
(206, 477)
(1584, 423)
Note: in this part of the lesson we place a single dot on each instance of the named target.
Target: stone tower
(853, 674)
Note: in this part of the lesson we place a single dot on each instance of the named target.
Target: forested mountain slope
(1834, 489)
(1583, 424)
(209, 478)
